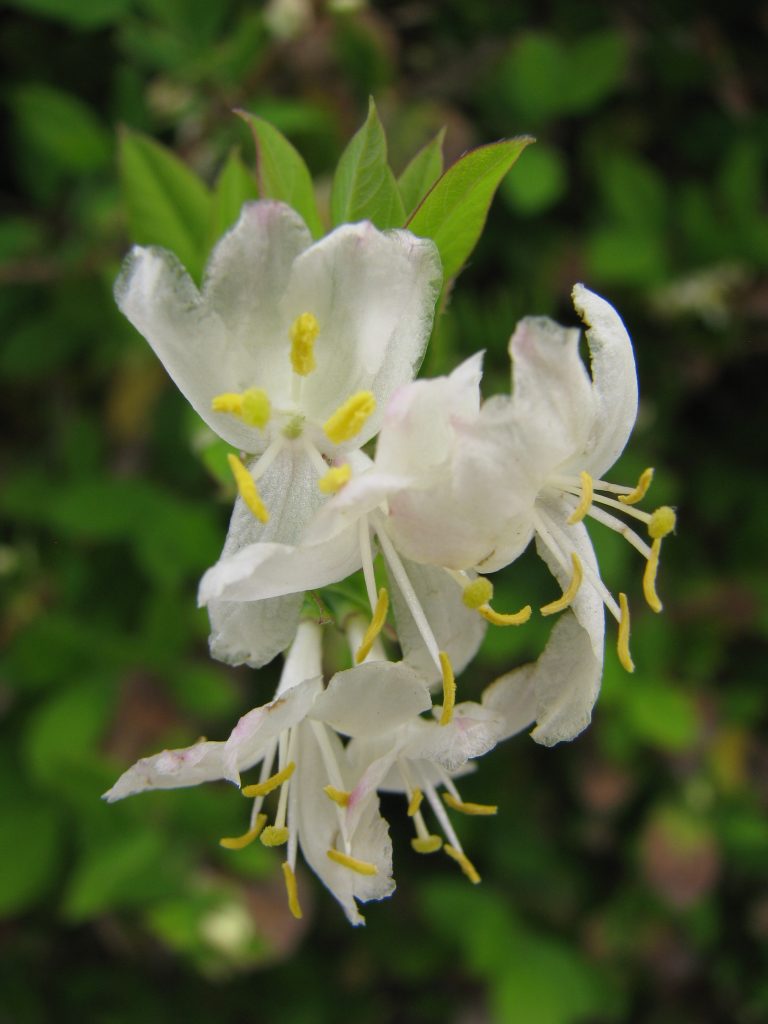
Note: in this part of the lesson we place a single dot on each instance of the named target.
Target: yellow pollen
(291, 889)
(586, 499)
(449, 689)
(375, 627)
(464, 863)
(256, 408)
(362, 867)
(415, 802)
(349, 418)
(641, 488)
(247, 488)
(274, 835)
(663, 521)
(468, 808)
(427, 844)
(622, 645)
(339, 796)
(240, 842)
(304, 331)
(477, 593)
(335, 479)
(570, 592)
(505, 618)
(272, 783)
(228, 402)
(649, 577)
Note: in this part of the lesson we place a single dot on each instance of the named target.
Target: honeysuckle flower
(293, 738)
(289, 352)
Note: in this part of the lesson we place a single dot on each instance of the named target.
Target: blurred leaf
(167, 204)
(633, 189)
(422, 172)
(660, 714)
(29, 851)
(539, 181)
(61, 129)
(596, 64)
(533, 77)
(282, 173)
(83, 14)
(627, 255)
(454, 211)
(364, 187)
(234, 186)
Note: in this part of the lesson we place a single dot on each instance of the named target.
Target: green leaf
(282, 173)
(422, 172)
(60, 129)
(167, 204)
(364, 187)
(234, 186)
(454, 210)
(29, 851)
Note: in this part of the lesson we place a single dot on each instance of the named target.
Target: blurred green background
(625, 878)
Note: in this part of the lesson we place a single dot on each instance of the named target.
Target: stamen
(339, 796)
(649, 577)
(336, 477)
(292, 890)
(663, 521)
(570, 592)
(427, 844)
(623, 642)
(505, 618)
(350, 417)
(464, 863)
(375, 627)
(468, 808)
(449, 689)
(256, 408)
(304, 331)
(477, 593)
(362, 867)
(274, 835)
(582, 508)
(415, 802)
(247, 488)
(270, 784)
(228, 402)
(240, 842)
(640, 490)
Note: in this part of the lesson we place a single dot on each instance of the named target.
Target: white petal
(473, 731)
(615, 380)
(171, 769)
(253, 632)
(513, 697)
(373, 294)
(372, 699)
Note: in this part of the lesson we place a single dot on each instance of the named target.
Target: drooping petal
(472, 731)
(372, 698)
(513, 697)
(253, 632)
(171, 769)
(373, 294)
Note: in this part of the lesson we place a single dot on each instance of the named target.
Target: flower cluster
(299, 354)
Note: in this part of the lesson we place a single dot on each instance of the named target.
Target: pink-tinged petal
(171, 769)
(372, 699)
(472, 731)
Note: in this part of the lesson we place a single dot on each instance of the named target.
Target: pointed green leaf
(167, 204)
(364, 187)
(282, 172)
(422, 172)
(234, 186)
(453, 212)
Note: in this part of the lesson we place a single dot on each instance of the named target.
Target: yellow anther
(247, 488)
(586, 499)
(570, 592)
(449, 689)
(375, 627)
(228, 402)
(240, 842)
(256, 408)
(350, 417)
(304, 331)
(641, 488)
(427, 844)
(505, 618)
(270, 784)
(663, 521)
(335, 479)
(415, 802)
(622, 645)
(468, 808)
(339, 796)
(464, 863)
(362, 867)
(477, 593)
(649, 577)
(274, 835)
(292, 890)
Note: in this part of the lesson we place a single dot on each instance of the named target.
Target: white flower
(289, 352)
(294, 740)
